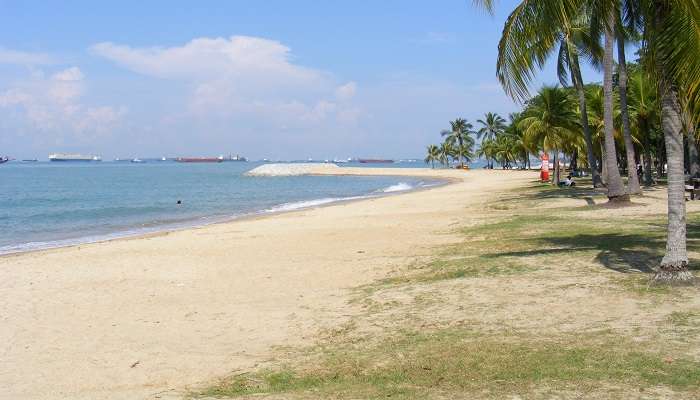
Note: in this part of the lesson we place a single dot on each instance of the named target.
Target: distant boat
(30, 160)
(235, 158)
(199, 159)
(3, 160)
(137, 161)
(73, 157)
(374, 161)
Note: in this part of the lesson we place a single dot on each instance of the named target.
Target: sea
(46, 205)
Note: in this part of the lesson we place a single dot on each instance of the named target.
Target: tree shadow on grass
(621, 252)
(577, 192)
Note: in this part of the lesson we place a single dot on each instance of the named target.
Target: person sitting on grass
(568, 182)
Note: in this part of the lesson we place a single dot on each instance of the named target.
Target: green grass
(522, 240)
(684, 318)
(448, 362)
(416, 365)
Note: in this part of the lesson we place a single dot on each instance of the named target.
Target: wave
(298, 205)
(399, 187)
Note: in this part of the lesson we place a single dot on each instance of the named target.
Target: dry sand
(146, 317)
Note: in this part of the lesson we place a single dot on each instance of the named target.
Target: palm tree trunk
(604, 166)
(693, 156)
(674, 265)
(632, 178)
(644, 130)
(616, 189)
(555, 177)
(578, 84)
(692, 145)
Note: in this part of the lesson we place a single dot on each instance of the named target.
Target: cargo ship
(231, 157)
(73, 157)
(200, 159)
(374, 161)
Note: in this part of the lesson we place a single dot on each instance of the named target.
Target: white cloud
(71, 74)
(8, 56)
(238, 57)
(240, 77)
(55, 105)
(346, 92)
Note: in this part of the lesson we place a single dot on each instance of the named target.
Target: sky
(273, 79)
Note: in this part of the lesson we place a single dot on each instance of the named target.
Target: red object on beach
(544, 172)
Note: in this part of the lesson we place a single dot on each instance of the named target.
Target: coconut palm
(433, 154)
(672, 32)
(491, 126)
(643, 106)
(616, 189)
(529, 37)
(622, 79)
(487, 150)
(550, 120)
(447, 153)
(459, 136)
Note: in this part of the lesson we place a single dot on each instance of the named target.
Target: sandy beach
(148, 317)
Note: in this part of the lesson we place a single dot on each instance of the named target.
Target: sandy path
(129, 319)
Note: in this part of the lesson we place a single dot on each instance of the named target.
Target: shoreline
(272, 211)
(134, 317)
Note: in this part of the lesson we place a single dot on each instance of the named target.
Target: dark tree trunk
(616, 189)
(644, 129)
(632, 178)
(578, 84)
(693, 155)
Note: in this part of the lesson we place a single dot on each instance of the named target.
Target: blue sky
(275, 79)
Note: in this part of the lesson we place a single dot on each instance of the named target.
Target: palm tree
(492, 125)
(529, 36)
(673, 37)
(643, 106)
(520, 145)
(459, 135)
(487, 150)
(616, 189)
(447, 152)
(433, 155)
(550, 120)
(632, 178)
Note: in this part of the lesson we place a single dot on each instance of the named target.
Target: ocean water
(45, 205)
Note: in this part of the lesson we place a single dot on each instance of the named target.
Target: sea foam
(399, 187)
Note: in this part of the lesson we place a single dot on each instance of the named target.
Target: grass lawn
(545, 295)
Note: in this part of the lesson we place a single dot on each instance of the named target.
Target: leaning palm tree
(551, 121)
(433, 155)
(459, 136)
